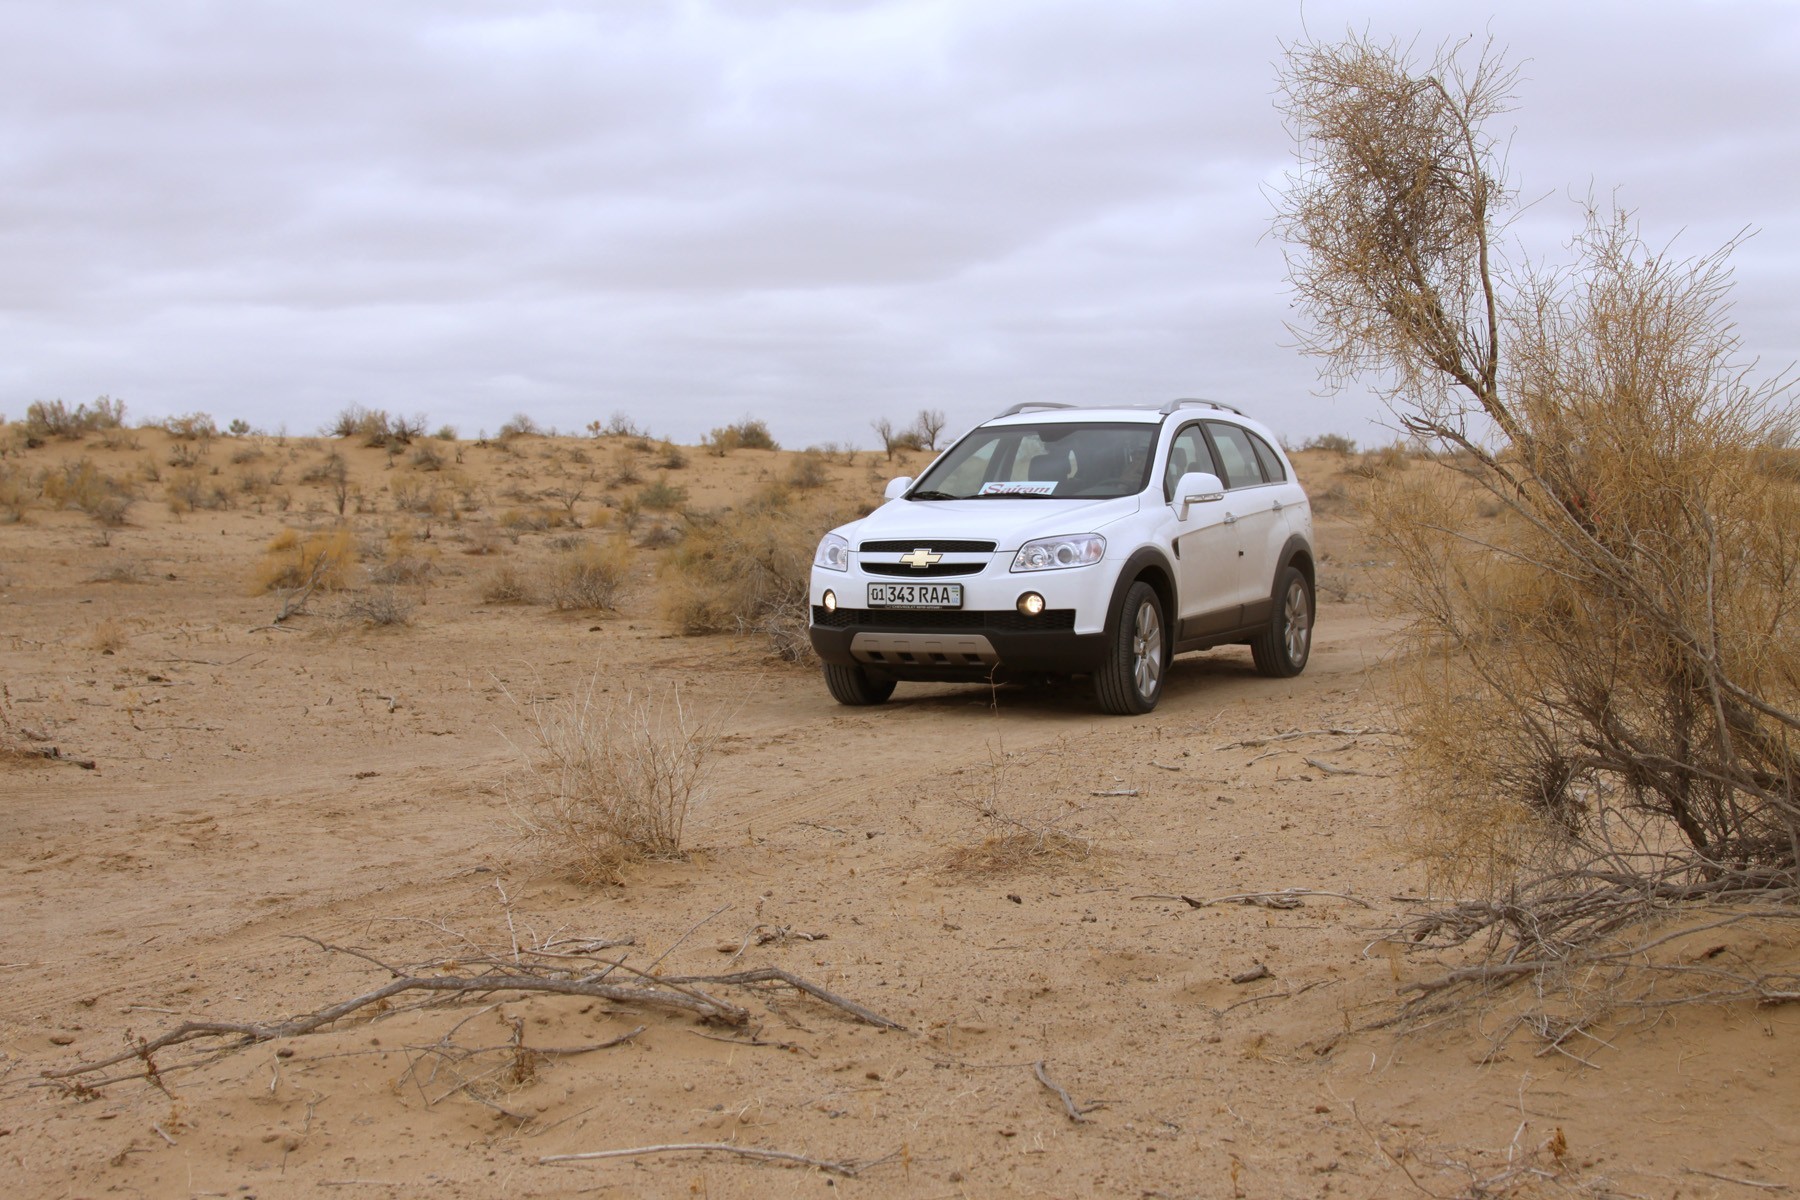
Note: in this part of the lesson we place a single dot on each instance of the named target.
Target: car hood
(1008, 523)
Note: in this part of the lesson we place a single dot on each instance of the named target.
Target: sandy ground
(253, 785)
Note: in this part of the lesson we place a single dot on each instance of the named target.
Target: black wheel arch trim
(1296, 553)
(1161, 576)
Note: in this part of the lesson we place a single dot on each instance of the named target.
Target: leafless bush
(895, 439)
(1610, 671)
(607, 780)
(588, 577)
(1017, 826)
(380, 607)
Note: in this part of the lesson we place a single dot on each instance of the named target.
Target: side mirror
(1197, 487)
(896, 488)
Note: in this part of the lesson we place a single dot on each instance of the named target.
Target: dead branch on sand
(516, 971)
(847, 1170)
(1077, 1112)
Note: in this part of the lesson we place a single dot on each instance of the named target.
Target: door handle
(1276, 507)
(1230, 520)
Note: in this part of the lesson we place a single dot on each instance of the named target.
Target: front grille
(1005, 620)
(942, 547)
(904, 571)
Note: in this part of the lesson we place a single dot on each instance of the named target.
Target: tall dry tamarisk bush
(1603, 685)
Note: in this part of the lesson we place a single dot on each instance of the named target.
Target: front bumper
(955, 644)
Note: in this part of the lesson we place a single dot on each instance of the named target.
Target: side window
(1270, 461)
(1236, 455)
(1187, 453)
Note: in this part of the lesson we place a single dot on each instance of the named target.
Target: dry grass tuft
(609, 780)
(109, 637)
(290, 561)
(1016, 829)
(507, 585)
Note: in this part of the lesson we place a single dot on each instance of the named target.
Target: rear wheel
(850, 684)
(1282, 649)
(1130, 680)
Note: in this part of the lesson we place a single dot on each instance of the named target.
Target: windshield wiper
(930, 495)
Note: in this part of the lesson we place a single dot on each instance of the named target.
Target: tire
(1282, 649)
(1130, 681)
(852, 685)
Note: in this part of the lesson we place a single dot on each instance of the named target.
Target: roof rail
(1025, 404)
(1185, 401)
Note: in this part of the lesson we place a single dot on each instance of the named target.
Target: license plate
(915, 595)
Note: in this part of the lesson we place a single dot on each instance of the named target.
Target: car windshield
(1052, 461)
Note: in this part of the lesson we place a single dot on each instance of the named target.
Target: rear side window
(1236, 455)
(1268, 460)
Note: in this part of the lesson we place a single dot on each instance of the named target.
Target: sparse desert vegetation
(445, 734)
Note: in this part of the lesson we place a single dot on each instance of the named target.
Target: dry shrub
(54, 419)
(190, 427)
(379, 607)
(589, 576)
(332, 469)
(624, 469)
(185, 491)
(16, 494)
(404, 561)
(748, 433)
(662, 496)
(507, 585)
(533, 520)
(746, 572)
(81, 484)
(609, 780)
(291, 561)
(109, 637)
(808, 472)
(1602, 681)
(1016, 826)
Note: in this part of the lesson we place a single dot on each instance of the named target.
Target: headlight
(833, 554)
(1053, 554)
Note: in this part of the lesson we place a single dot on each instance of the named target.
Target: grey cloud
(818, 211)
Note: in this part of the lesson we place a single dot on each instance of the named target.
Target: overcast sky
(817, 212)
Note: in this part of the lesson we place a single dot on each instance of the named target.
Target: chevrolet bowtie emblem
(921, 558)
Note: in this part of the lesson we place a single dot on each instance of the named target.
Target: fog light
(829, 600)
(1031, 604)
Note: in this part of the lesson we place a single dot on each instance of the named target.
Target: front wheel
(1282, 649)
(850, 684)
(1130, 681)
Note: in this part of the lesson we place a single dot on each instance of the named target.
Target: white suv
(1055, 540)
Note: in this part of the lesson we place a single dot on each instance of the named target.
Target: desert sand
(228, 789)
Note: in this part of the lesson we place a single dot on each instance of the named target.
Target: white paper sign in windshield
(1016, 488)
